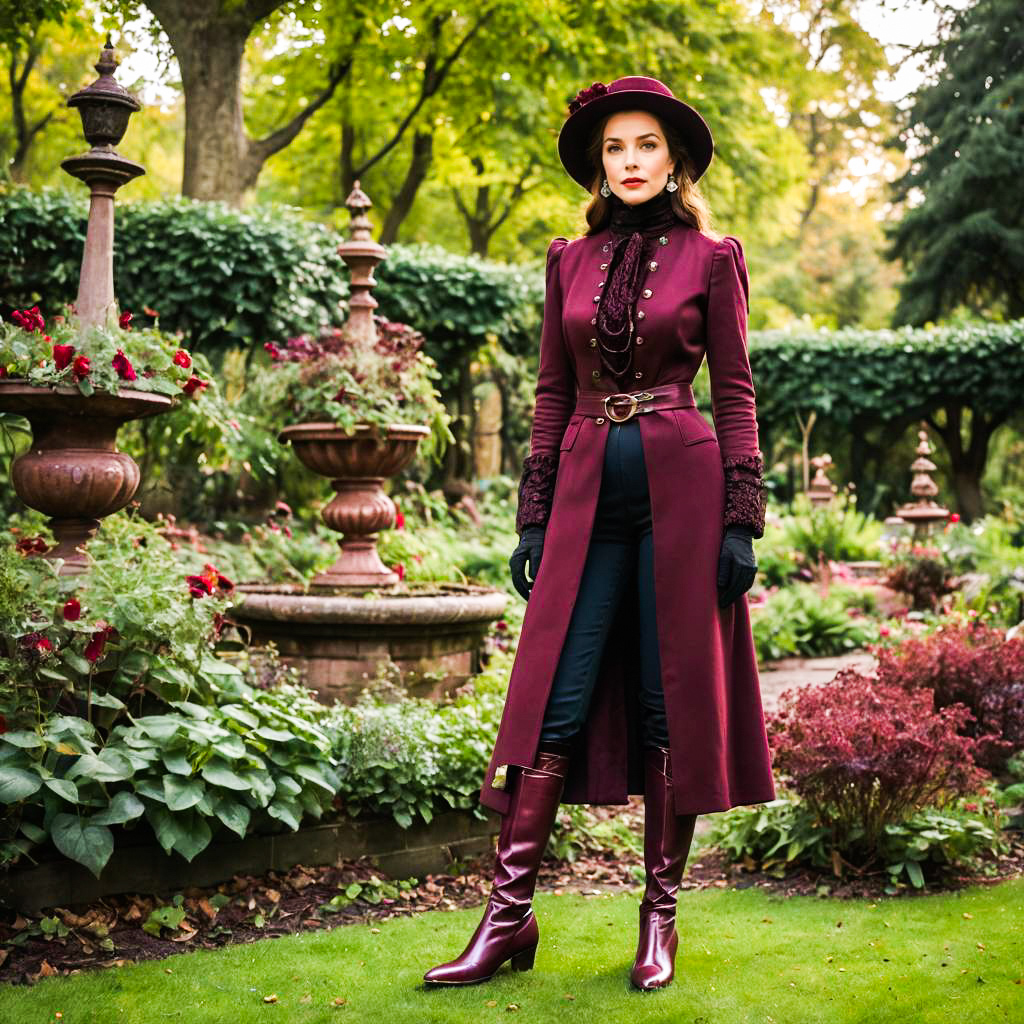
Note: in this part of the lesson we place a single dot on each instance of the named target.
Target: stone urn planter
(357, 466)
(73, 471)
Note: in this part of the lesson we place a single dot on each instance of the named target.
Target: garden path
(788, 672)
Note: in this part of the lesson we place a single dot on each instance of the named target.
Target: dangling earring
(605, 189)
(671, 185)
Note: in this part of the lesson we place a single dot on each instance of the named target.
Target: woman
(635, 671)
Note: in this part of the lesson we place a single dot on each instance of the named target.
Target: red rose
(194, 384)
(272, 350)
(72, 610)
(954, 518)
(399, 520)
(182, 359)
(219, 579)
(198, 586)
(36, 642)
(124, 368)
(62, 355)
(32, 546)
(124, 321)
(81, 369)
(97, 643)
(400, 569)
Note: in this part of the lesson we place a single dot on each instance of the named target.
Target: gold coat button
(648, 293)
(600, 419)
(596, 374)
(600, 284)
(639, 340)
(597, 298)
(592, 343)
(593, 320)
(653, 264)
(641, 315)
(604, 266)
(638, 374)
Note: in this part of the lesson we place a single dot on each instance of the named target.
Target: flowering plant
(99, 358)
(349, 382)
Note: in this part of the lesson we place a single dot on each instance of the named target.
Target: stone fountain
(358, 613)
(73, 471)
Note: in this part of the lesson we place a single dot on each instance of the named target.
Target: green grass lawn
(744, 956)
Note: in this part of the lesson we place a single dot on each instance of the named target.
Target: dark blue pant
(621, 555)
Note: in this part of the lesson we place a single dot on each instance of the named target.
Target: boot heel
(524, 961)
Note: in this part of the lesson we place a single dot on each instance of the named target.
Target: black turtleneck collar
(651, 217)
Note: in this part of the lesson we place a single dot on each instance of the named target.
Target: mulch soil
(109, 933)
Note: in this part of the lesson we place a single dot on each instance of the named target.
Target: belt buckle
(619, 395)
(634, 399)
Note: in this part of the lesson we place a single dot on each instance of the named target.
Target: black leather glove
(530, 548)
(737, 565)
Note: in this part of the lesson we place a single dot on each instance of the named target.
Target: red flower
(124, 321)
(954, 518)
(400, 569)
(28, 319)
(205, 583)
(72, 610)
(124, 368)
(3, 371)
(62, 355)
(182, 359)
(399, 520)
(194, 384)
(32, 546)
(272, 350)
(97, 643)
(586, 95)
(282, 508)
(36, 642)
(81, 369)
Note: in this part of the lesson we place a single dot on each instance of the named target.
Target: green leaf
(914, 871)
(16, 784)
(181, 794)
(77, 662)
(64, 788)
(23, 738)
(81, 841)
(106, 700)
(176, 761)
(233, 814)
(186, 832)
(220, 773)
(287, 811)
(163, 917)
(274, 735)
(109, 766)
(125, 806)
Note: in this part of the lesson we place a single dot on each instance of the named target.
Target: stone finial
(923, 512)
(362, 254)
(821, 489)
(105, 107)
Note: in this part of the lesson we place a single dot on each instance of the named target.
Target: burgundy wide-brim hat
(634, 92)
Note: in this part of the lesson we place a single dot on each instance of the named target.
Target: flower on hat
(586, 95)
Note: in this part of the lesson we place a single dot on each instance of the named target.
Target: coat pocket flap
(693, 428)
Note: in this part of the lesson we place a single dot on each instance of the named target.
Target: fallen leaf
(491, 1002)
(307, 998)
(375, 931)
(272, 998)
(970, 917)
(512, 1006)
(338, 1001)
(45, 971)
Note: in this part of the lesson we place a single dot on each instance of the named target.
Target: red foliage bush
(971, 665)
(865, 754)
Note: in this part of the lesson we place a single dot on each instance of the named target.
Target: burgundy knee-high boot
(667, 838)
(508, 929)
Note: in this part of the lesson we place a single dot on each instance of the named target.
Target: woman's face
(635, 156)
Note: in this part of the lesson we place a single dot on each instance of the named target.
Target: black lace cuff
(536, 490)
(744, 492)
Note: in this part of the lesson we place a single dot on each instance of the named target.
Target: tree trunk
(419, 166)
(24, 132)
(208, 38)
(967, 465)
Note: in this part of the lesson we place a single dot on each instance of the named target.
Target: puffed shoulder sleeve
(733, 404)
(555, 398)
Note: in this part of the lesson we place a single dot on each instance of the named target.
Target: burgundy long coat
(720, 756)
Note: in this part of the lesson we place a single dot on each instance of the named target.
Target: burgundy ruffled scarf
(636, 228)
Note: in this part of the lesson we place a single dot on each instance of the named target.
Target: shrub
(785, 833)
(865, 755)
(796, 620)
(921, 574)
(973, 666)
(839, 531)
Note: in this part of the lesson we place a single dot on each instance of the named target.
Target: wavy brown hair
(688, 201)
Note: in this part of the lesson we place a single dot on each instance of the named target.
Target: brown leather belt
(624, 405)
